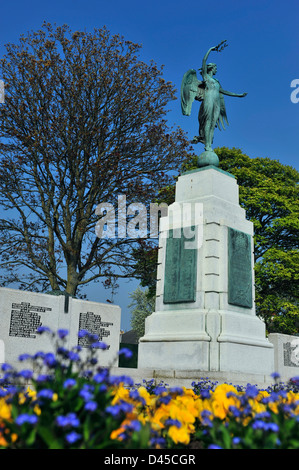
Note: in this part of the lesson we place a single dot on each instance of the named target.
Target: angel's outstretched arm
(218, 48)
(229, 93)
(204, 70)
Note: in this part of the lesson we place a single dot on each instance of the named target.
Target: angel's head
(212, 68)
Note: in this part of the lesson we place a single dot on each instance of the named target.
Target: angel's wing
(222, 115)
(191, 88)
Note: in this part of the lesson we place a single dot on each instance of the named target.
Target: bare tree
(83, 121)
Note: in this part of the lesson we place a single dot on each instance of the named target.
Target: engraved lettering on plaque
(291, 353)
(239, 269)
(25, 319)
(93, 324)
(180, 270)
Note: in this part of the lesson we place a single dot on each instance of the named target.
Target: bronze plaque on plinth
(180, 270)
(239, 269)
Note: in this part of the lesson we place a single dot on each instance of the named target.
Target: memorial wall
(22, 313)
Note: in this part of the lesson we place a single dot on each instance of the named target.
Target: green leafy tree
(269, 194)
(142, 306)
(83, 122)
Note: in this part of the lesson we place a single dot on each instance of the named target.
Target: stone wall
(286, 354)
(21, 313)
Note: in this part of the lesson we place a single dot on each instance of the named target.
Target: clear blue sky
(262, 59)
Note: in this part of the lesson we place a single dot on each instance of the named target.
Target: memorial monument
(205, 317)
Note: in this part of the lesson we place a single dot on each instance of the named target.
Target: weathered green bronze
(239, 269)
(180, 270)
(212, 112)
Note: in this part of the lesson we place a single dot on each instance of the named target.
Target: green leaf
(49, 438)
(31, 438)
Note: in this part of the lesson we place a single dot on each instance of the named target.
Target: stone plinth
(205, 313)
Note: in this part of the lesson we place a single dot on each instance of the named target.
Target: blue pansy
(50, 360)
(90, 406)
(73, 356)
(205, 394)
(62, 333)
(43, 329)
(45, 393)
(125, 352)
(26, 418)
(113, 410)
(236, 440)
(70, 420)
(26, 374)
(134, 425)
(44, 378)
(24, 357)
(72, 437)
(275, 375)
(69, 383)
(251, 391)
(82, 333)
(101, 376)
(86, 395)
(173, 422)
(235, 411)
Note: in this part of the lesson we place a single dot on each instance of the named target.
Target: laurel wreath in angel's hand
(220, 46)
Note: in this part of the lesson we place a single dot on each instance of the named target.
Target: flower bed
(76, 403)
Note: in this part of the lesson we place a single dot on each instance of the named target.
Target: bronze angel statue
(212, 111)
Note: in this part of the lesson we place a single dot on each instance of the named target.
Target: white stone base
(184, 378)
(208, 334)
(206, 341)
(187, 355)
(245, 358)
(204, 356)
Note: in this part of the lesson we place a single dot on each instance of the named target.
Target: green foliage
(145, 258)
(142, 306)
(269, 194)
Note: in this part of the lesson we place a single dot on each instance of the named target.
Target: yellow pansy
(3, 441)
(116, 434)
(181, 413)
(221, 402)
(5, 409)
(121, 393)
(145, 395)
(179, 435)
(158, 416)
(202, 405)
